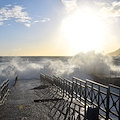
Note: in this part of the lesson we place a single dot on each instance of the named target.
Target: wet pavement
(28, 100)
(20, 104)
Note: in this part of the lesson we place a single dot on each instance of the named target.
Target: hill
(115, 53)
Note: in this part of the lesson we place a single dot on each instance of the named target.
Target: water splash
(82, 65)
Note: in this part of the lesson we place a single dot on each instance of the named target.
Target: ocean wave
(81, 65)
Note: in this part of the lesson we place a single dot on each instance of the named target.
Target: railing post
(16, 78)
(85, 99)
(0, 95)
(80, 91)
(63, 86)
(98, 98)
(72, 88)
(119, 104)
(76, 88)
(92, 94)
(108, 101)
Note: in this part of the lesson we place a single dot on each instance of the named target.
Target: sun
(84, 30)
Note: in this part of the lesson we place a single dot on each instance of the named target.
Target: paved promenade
(20, 104)
(28, 100)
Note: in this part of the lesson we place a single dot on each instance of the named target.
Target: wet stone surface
(20, 104)
(50, 105)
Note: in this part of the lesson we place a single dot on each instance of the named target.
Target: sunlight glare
(84, 30)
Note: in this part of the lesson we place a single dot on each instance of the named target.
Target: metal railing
(90, 93)
(114, 98)
(4, 91)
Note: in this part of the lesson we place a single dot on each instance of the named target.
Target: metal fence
(90, 93)
(4, 91)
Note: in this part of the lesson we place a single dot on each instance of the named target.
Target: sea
(81, 65)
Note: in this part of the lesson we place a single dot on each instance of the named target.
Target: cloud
(115, 3)
(70, 4)
(36, 21)
(1, 23)
(8, 5)
(27, 24)
(17, 12)
(111, 9)
(9, 24)
(100, 3)
(106, 9)
(45, 20)
(42, 20)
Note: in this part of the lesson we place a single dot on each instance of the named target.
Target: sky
(58, 27)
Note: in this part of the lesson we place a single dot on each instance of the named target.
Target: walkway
(24, 103)
(20, 104)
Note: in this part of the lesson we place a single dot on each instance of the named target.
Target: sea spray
(24, 69)
(82, 65)
(92, 63)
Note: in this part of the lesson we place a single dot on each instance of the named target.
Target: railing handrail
(96, 83)
(78, 79)
(111, 85)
